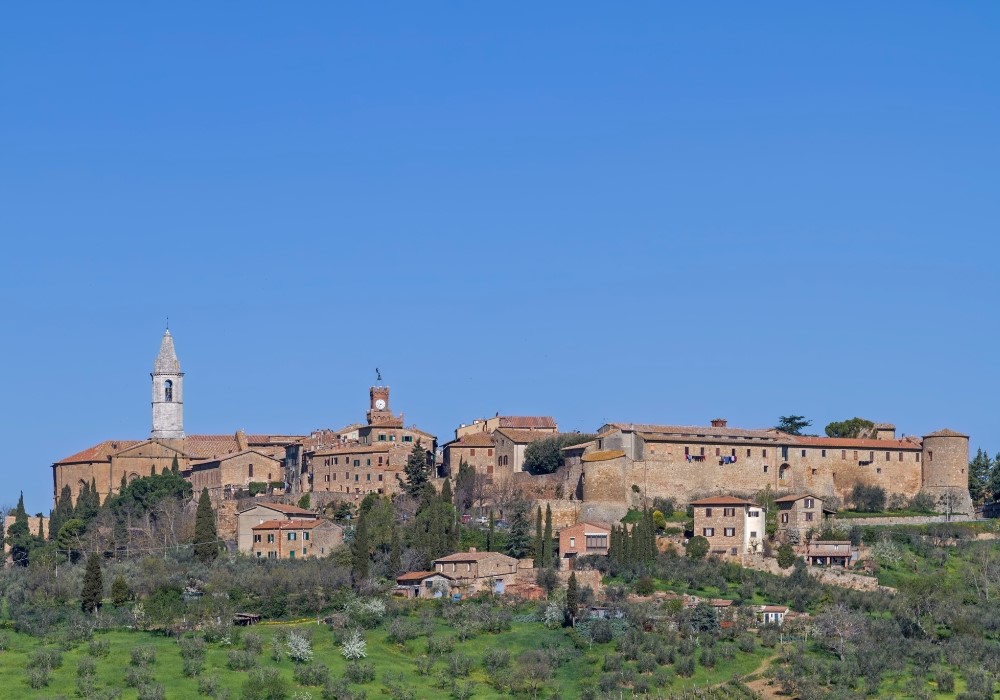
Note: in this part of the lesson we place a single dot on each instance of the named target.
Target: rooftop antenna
(378, 375)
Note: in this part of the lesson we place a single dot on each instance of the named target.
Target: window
(356, 477)
(729, 532)
(489, 452)
(809, 517)
(810, 503)
(708, 531)
(755, 514)
(407, 438)
(472, 452)
(855, 454)
(822, 453)
(878, 470)
(380, 477)
(259, 554)
(357, 463)
(753, 534)
(748, 452)
(336, 460)
(272, 555)
(687, 451)
(708, 512)
(765, 469)
(733, 551)
(572, 541)
(900, 456)
(803, 453)
(930, 455)
(764, 452)
(843, 454)
(702, 451)
(814, 472)
(292, 536)
(381, 437)
(887, 457)
(597, 541)
(918, 456)
(250, 470)
(784, 517)
(291, 553)
(270, 538)
(728, 512)
(168, 390)
(256, 538)
(718, 451)
(305, 535)
(871, 456)
(368, 462)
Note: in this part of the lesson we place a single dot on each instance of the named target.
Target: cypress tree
(360, 551)
(19, 535)
(446, 494)
(518, 541)
(547, 536)
(489, 533)
(63, 511)
(206, 545)
(175, 467)
(123, 485)
(572, 598)
(537, 544)
(152, 470)
(93, 585)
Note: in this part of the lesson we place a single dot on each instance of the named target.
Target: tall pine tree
(547, 537)
(572, 598)
(416, 470)
(206, 537)
(62, 512)
(19, 535)
(519, 538)
(537, 545)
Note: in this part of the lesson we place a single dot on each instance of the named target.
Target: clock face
(380, 404)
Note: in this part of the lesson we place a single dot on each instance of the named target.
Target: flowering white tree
(299, 649)
(553, 615)
(354, 647)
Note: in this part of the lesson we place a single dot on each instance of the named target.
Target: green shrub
(697, 547)
(359, 672)
(208, 685)
(685, 666)
(311, 675)
(601, 631)
(458, 665)
(48, 659)
(193, 666)
(152, 691)
(37, 677)
(265, 684)
(645, 585)
(495, 659)
(86, 666)
(439, 646)
(253, 643)
(241, 660)
(945, 680)
(143, 656)
(401, 630)
(138, 676)
(99, 648)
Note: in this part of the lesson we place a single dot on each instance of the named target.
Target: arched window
(168, 390)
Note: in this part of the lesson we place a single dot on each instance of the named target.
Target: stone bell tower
(168, 392)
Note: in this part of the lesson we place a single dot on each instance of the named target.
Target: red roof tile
(523, 436)
(473, 440)
(907, 443)
(282, 508)
(414, 576)
(722, 501)
(289, 524)
(527, 422)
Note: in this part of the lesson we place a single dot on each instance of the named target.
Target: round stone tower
(945, 460)
(168, 392)
(604, 476)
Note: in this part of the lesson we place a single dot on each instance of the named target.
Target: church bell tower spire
(168, 392)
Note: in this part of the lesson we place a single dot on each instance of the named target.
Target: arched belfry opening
(168, 390)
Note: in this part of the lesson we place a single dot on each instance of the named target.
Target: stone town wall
(905, 520)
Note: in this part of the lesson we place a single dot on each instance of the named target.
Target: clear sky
(660, 212)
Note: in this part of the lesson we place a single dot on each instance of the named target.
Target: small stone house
(423, 584)
(580, 540)
(800, 512)
(295, 539)
(771, 614)
(259, 513)
(733, 526)
(475, 571)
(831, 553)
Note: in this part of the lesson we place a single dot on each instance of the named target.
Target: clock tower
(379, 413)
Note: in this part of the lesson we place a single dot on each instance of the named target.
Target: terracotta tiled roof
(793, 498)
(523, 436)
(722, 501)
(473, 556)
(579, 446)
(473, 440)
(603, 456)
(101, 452)
(197, 447)
(907, 443)
(672, 432)
(884, 426)
(945, 432)
(355, 448)
(289, 524)
(416, 576)
(772, 608)
(527, 422)
(224, 457)
(282, 508)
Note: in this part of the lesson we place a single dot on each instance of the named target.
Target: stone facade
(582, 539)
(733, 527)
(510, 447)
(295, 539)
(476, 571)
(36, 525)
(225, 476)
(687, 461)
(801, 512)
(475, 449)
(259, 513)
(543, 424)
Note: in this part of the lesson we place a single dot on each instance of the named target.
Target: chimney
(718, 422)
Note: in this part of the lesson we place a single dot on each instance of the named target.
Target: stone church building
(213, 461)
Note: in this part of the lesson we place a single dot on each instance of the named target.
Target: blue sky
(651, 212)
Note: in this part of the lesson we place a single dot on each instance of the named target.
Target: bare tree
(504, 493)
(837, 627)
